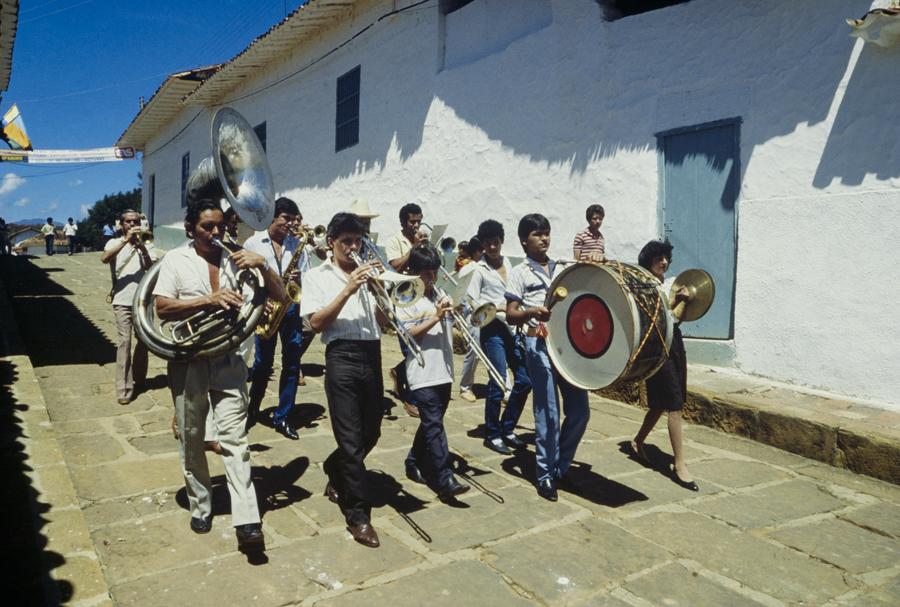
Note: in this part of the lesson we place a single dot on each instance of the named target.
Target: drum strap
(654, 316)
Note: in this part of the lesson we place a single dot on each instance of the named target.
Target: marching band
(350, 299)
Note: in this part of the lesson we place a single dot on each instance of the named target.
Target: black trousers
(355, 391)
(429, 449)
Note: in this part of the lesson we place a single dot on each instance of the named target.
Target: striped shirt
(585, 244)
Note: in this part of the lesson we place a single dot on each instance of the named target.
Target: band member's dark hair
(192, 214)
(407, 210)
(422, 258)
(491, 228)
(70, 219)
(343, 223)
(473, 246)
(532, 222)
(230, 213)
(286, 205)
(448, 242)
(652, 251)
(594, 209)
(49, 220)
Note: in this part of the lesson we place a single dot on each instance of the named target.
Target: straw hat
(360, 208)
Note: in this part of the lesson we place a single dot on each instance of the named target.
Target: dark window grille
(347, 114)
(617, 9)
(448, 6)
(185, 173)
(151, 199)
(260, 130)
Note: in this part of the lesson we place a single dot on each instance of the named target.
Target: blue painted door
(701, 178)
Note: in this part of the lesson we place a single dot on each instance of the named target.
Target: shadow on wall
(865, 138)
(582, 89)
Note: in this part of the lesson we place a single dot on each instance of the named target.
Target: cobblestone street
(766, 528)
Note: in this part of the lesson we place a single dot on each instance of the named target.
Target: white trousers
(220, 383)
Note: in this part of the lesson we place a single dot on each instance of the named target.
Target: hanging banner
(67, 156)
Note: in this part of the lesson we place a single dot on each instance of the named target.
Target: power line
(65, 8)
(50, 174)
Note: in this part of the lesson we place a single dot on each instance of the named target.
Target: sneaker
(468, 395)
(497, 444)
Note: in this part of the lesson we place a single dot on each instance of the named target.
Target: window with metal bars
(185, 173)
(347, 114)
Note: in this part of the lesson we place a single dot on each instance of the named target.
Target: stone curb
(816, 434)
(54, 504)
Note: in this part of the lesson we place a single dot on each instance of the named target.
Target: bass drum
(613, 325)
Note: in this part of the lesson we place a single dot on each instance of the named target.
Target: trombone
(405, 293)
(457, 314)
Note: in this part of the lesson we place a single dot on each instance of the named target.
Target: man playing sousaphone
(202, 277)
(129, 258)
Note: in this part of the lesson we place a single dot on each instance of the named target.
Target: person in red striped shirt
(589, 244)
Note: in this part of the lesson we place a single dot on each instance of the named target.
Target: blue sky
(79, 69)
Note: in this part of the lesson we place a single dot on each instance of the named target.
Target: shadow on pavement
(585, 483)
(26, 561)
(53, 328)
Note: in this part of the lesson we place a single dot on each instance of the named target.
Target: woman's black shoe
(689, 485)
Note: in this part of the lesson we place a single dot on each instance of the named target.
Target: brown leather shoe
(365, 534)
(331, 493)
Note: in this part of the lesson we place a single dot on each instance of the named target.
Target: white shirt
(128, 270)
(528, 284)
(488, 286)
(356, 320)
(396, 247)
(262, 243)
(70, 229)
(436, 344)
(185, 275)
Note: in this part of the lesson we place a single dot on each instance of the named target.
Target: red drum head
(595, 332)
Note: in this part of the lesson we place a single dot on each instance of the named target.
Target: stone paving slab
(623, 534)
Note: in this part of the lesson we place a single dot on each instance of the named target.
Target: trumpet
(405, 293)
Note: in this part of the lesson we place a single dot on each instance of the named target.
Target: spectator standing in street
(71, 232)
(589, 244)
(49, 232)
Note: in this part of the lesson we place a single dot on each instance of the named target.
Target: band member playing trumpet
(337, 305)
(278, 246)
(526, 291)
(667, 388)
(489, 285)
(196, 278)
(428, 322)
(129, 258)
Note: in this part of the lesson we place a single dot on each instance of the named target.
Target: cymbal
(702, 289)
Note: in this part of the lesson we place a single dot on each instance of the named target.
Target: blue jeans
(291, 349)
(429, 451)
(554, 446)
(502, 348)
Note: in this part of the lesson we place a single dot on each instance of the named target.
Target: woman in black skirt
(667, 388)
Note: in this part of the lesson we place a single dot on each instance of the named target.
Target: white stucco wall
(562, 113)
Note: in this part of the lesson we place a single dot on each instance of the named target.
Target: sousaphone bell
(237, 171)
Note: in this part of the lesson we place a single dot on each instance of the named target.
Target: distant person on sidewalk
(129, 258)
(49, 232)
(108, 231)
(71, 232)
(589, 244)
(667, 388)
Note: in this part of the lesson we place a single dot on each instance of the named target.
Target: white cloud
(84, 211)
(10, 182)
(76, 183)
(22, 202)
(53, 206)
